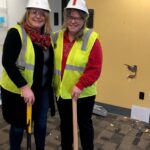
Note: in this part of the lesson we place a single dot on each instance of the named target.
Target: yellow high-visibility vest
(75, 65)
(25, 63)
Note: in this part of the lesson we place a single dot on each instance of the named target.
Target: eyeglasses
(39, 12)
(76, 19)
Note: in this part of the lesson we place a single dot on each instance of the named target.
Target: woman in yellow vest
(27, 61)
(77, 67)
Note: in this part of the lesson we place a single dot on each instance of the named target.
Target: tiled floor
(113, 132)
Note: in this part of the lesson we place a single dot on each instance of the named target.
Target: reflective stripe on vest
(21, 61)
(70, 67)
(25, 63)
(84, 44)
(54, 37)
(75, 65)
(86, 38)
(58, 72)
(74, 68)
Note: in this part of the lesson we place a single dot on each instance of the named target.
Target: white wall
(16, 9)
(55, 7)
(3, 25)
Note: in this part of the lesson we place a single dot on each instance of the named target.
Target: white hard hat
(77, 4)
(41, 4)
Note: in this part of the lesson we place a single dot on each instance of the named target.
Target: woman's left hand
(75, 93)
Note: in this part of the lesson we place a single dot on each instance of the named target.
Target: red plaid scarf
(42, 40)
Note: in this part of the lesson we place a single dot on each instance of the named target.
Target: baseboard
(116, 109)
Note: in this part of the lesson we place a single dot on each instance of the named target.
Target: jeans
(15, 137)
(40, 120)
(40, 110)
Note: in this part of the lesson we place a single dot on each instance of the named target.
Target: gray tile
(113, 132)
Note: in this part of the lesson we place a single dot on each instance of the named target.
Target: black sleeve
(11, 50)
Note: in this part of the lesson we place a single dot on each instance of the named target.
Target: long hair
(82, 14)
(46, 29)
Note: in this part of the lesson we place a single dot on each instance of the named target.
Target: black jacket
(11, 50)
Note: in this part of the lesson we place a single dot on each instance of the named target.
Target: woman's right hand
(28, 94)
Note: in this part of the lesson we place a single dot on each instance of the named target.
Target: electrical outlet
(141, 95)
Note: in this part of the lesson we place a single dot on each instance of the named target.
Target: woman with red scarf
(27, 61)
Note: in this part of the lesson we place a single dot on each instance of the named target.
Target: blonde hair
(82, 14)
(46, 28)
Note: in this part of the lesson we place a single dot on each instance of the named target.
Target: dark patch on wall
(56, 18)
(90, 21)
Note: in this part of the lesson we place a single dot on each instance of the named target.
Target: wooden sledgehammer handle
(75, 124)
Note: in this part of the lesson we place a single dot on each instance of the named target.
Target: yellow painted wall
(124, 27)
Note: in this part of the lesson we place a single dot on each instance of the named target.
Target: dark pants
(40, 110)
(86, 131)
(40, 120)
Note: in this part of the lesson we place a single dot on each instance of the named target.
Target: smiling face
(74, 22)
(36, 18)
